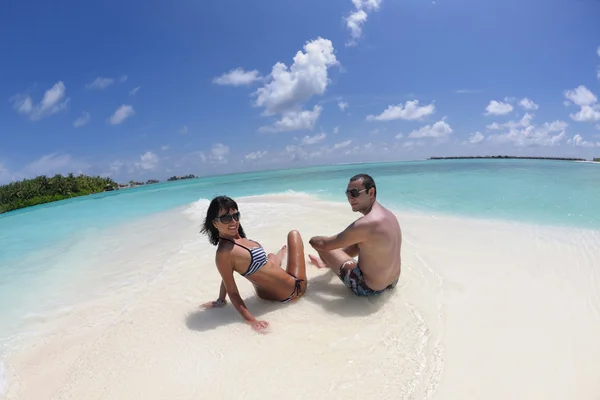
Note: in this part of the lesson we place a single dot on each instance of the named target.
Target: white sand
(484, 310)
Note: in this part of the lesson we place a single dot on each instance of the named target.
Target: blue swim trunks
(354, 280)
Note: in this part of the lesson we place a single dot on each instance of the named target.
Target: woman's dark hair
(218, 203)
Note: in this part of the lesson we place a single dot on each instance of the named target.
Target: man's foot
(317, 262)
(278, 258)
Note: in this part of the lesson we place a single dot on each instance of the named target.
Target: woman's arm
(221, 301)
(222, 293)
(224, 265)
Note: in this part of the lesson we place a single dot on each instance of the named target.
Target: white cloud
(336, 130)
(238, 77)
(524, 135)
(343, 144)
(219, 153)
(295, 152)
(399, 136)
(148, 161)
(116, 166)
(255, 155)
(581, 96)
(527, 104)
(409, 111)
(578, 141)
(587, 114)
(201, 155)
(498, 108)
(410, 144)
(589, 109)
(23, 105)
(294, 120)
(342, 105)
(476, 137)
(82, 120)
(438, 130)
(555, 126)
(133, 91)
(53, 102)
(307, 140)
(121, 114)
(54, 163)
(354, 22)
(287, 88)
(524, 122)
(184, 130)
(598, 71)
(100, 83)
(463, 91)
(357, 18)
(164, 147)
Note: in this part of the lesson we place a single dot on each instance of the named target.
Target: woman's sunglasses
(225, 219)
(354, 192)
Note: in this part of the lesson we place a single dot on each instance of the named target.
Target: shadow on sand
(330, 293)
(326, 291)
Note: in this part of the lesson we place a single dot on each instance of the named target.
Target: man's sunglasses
(225, 219)
(355, 192)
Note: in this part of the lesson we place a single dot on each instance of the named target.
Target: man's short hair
(367, 181)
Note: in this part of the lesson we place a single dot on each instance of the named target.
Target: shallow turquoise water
(542, 192)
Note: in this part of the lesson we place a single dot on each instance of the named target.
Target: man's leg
(330, 259)
(346, 268)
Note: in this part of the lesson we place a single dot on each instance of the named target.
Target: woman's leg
(296, 264)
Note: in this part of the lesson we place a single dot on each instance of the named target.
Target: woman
(246, 257)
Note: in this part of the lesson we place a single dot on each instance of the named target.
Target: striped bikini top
(258, 257)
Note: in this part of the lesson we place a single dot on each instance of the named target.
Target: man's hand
(317, 242)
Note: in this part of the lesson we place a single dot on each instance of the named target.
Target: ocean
(57, 258)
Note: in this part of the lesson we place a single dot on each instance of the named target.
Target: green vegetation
(597, 159)
(42, 189)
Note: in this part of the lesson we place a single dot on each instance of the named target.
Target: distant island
(512, 157)
(596, 160)
(178, 178)
(42, 189)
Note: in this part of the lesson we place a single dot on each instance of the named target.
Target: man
(375, 238)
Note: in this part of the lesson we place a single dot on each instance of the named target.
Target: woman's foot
(277, 259)
(316, 261)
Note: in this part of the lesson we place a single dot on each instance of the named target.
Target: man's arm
(351, 250)
(348, 239)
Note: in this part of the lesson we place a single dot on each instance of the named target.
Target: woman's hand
(214, 304)
(259, 326)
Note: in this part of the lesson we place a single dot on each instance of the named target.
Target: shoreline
(299, 170)
(433, 214)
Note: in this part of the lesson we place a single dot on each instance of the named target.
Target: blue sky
(140, 90)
